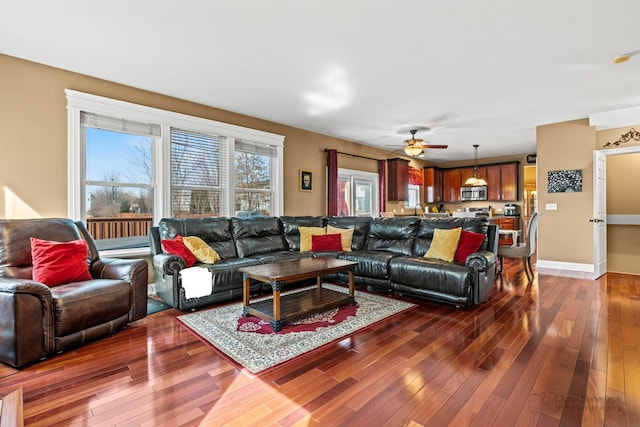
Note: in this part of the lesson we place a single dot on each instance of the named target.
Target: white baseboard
(571, 266)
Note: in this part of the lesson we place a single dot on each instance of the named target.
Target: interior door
(599, 214)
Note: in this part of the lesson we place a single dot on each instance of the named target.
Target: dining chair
(523, 250)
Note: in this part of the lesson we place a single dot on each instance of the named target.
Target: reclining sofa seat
(240, 242)
(449, 282)
(37, 320)
(389, 252)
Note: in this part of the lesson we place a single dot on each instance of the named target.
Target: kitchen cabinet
(451, 185)
(502, 182)
(397, 179)
(432, 184)
(506, 223)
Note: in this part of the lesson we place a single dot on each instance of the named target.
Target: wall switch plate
(552, 206)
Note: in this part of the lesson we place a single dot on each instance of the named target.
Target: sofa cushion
(216, 231)
(15, 243)
(306, 234)
(257, 235)
(81, 305)
(56, 263)
(201, 250)
(326, 243)
(176, 246)
(469, 243)
(427, 226)
(444, 244)
(371, 264)
(431, 274)
(392, 234)
(346, 236)
(290, 228)
(360, 225)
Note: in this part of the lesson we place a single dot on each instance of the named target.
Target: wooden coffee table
(279, 310)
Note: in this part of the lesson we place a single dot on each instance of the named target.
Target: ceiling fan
(415, 146)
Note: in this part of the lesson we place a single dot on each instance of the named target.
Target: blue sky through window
(118, 156)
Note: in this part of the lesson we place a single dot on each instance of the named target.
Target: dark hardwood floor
(563, 350)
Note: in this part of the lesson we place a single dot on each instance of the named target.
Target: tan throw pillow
(201, 250)
(305, 236)
(444, 244)
(346, 236)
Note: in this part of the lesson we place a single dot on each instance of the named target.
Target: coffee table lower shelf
(297, 305)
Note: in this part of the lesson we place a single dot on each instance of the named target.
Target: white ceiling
(476, 72)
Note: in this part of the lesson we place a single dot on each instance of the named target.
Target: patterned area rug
(255, 352)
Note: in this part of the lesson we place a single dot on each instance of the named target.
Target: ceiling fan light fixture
(413, 150)
(475, 181)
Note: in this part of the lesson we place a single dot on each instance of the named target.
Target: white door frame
(599, 200)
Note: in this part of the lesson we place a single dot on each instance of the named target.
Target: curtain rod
(354, 155)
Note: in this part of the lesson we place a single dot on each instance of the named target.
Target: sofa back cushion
(258, 235)
(392, 234)
(215, 231)
(360, 225)
(427, 226)
(291, 225)
(15, 242)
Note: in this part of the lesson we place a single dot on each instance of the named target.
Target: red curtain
(382, 184)
(415, 176)
(332, 182)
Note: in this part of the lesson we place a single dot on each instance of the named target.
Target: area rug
(258, 353)
(306, 324)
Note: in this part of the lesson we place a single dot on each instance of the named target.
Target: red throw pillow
(326, 243)
(176, 246)
(57, 263)
(469, 243)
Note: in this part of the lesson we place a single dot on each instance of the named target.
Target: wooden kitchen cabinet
(432, 187)
(502, 182)
(451, 185)
(397, 179)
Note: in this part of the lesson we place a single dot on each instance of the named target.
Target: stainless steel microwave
(473, 193)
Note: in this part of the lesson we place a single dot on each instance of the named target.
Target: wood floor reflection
(561, 350)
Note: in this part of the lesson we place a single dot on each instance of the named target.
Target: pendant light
(475, 180)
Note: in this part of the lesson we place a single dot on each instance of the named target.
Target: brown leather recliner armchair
(37, 320)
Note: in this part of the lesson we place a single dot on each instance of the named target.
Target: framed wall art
(306, 180)
(564, 181)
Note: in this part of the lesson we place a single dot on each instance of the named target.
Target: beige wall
(33, 140)
(566, 235)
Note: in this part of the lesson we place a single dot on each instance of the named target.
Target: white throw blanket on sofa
(196, 282)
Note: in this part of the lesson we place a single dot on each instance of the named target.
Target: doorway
(599, 205)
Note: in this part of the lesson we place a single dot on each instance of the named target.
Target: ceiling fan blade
(434, 146)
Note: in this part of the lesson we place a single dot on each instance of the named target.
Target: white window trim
(80, 101)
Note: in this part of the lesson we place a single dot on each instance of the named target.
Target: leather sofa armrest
(481, 261)
(26, 323)
(168, 264)
(133, 271)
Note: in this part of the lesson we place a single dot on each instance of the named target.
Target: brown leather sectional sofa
(389, 252)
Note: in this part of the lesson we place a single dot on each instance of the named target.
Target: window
(131, 165)
(413, 196)
(199, 174)
(358, 193)
(253, 179)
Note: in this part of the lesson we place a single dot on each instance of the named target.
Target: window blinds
(118, 124)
